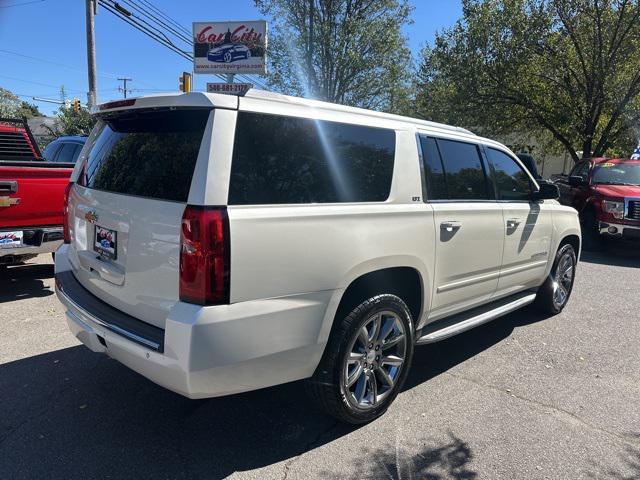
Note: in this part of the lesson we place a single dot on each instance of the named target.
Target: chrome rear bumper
(39, 240)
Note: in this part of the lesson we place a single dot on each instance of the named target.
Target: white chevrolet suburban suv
(219, 244)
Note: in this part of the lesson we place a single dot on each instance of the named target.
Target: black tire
(327, 388)
(545, 300)
(591, 238)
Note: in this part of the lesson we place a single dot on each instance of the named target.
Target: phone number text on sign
(229, 88)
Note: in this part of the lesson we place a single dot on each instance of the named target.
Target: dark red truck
(31, 196)
(606, 193)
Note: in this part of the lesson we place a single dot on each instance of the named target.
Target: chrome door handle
(513, 223)
(450, 225)
(10, 186)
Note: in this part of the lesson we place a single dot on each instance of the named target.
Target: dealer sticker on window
(106, 242)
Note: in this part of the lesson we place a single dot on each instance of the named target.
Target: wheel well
(405, 282)
(573, 240)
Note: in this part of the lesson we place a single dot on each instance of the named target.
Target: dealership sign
(230, 47)
(229, 88)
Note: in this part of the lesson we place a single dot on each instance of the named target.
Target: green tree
(12, 107)
(567, 67)
(345, 51)
(69, 122)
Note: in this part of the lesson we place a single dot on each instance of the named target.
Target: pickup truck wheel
(555, 292)
(366, 361)
(591, 237)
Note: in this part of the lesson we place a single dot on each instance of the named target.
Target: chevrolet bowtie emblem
(8, 201)
(91, 216)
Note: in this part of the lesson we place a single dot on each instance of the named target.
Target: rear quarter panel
(288, 250)
(565, 223)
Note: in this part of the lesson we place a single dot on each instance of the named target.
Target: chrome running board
(467, 320)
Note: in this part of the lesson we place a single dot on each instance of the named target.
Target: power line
(40, 83)
(42, 60)
(150, 15)
(166, 17)
(20, 4)
(146, 31)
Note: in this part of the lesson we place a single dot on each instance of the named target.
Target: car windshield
(617, 173)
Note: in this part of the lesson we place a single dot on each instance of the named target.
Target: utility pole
(310, 74)
(124, 81)
(92, 97)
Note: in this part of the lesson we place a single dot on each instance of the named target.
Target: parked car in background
(31, 196)
(214, 256)
(606, 193)
(64, 149)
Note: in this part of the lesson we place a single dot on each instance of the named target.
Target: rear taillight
(65, 214)
(204, 256)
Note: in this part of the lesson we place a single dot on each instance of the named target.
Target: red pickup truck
(606, 193)
(31, 196)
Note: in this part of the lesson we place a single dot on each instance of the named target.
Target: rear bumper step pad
(107, 316)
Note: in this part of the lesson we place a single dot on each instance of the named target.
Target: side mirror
(548, 191)
(577, 181)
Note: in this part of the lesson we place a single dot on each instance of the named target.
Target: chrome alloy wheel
(563, 279)
(374, 360)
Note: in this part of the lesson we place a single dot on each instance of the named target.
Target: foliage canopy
(567, 67)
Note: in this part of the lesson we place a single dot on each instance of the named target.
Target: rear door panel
(468, 255)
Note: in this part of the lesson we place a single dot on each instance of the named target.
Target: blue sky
(53, 30)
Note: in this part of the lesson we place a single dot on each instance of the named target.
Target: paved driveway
(523, 397)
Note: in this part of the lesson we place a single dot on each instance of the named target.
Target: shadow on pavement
(25, 281)
(448, 461)
(631, 460)
(434, 359)
(75, 414)
(614, 253)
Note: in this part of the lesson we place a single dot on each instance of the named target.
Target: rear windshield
(146, 153)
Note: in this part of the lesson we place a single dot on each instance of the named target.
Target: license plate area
(106, 242)
(11, 239)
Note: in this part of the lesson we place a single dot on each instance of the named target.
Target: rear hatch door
(127, 205)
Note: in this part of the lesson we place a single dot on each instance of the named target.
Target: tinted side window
(581, 169)
(67, 152)
(286, 160)
(434, 173)
(50, 151)
(511, 180)
(76, 153)
(466, 179)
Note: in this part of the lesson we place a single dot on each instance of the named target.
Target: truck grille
(634, 210)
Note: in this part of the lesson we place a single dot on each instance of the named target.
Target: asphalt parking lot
(523, 397)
